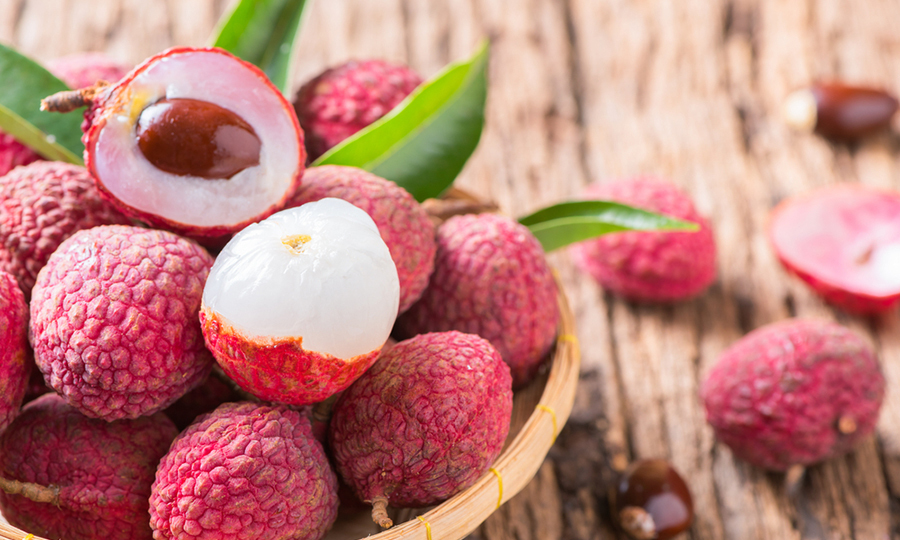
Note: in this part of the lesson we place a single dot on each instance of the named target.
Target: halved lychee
(844, 242)
(298, 305)
(193, 140)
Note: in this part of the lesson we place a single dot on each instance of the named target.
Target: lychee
(404, 225)
(193, 140)
(344, 99)
(844, 242)
(41, 205)
(662, 266)
(15, 364)
(425, 422)
(491, 279)
(114, 320)
(298, 305)
(13, 153)
(83, 69)
(97, 475)
(248, 471)
(202, 399)
(794, 392)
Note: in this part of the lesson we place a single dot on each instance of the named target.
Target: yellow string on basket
(499, 484)
(29, 536)
(427, 527)
(571, 338)
(550, 410)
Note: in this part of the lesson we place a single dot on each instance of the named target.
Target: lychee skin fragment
(114, 320)
(344, 99)
(83, 69)
(794, 392)
(13, 153)
(661, 266)
(246, 471)
(491, 279)
(41, 205)
(104, 471)
(403, 223)
(425, 422)
(15, 363)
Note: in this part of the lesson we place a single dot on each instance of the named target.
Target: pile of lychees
(198, 241)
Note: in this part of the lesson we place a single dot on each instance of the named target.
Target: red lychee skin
(491, 279)
(247, 471)
(279, 370)
(15, 365)
(104, 471)
(203, 399)
(794, 392)
(41, 205)
(104, 104)
(83, 69)
(13, 153)
(650, 266)
(344, 99)
(425, 422)
(114, 320)
(404, 225)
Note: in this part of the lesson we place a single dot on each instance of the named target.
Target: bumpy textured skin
(279, 370)
(650, 266)
(114, 320)
(777, 397)
(13, 153)
(81, 70)
(344, 99)
(15, 361)
(104, 471)
(404, 225)
(247, 471)
(203, 399)
(491, 279)
(425, 422)
(40, 206)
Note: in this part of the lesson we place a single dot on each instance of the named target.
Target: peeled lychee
(298, 305)
(193, 140)
(248, 471)
(491, 279)
(13, 153)
(650, 266)
(41, 205)
(344, 99)
(79, 70)
(114, 320)
(794, 392)
(98, 474)
(425, 422)
(844, 242)
(404, 225)
(15, 364)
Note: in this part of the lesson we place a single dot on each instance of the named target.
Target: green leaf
(424, 142)
(25, 83)
(262, 32)
(569, 222)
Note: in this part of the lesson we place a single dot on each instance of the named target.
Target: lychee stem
(322, 410)
(379, 512)
(72, 99)
(34, 492)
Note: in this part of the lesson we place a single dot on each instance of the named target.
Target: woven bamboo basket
(540, 410)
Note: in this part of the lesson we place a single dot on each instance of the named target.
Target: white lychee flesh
(320, 272)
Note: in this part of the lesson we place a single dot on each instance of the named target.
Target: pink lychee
(114, 320)
(79, 70)
(13, 153)
(660, 266)
(15, 362)
(794, 392)
(491, 279)
(344, 99)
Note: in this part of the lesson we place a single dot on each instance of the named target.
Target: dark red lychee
(794, 392)
(97, 474)
(15, 362)
(13, 153)
(211, 393)
(248, 471)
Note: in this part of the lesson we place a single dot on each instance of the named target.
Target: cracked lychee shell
(491, 279)
(103, 470)
(403, 223)
(245, 470)
(41, 205)
(660, 266)
(794, 392)
(15, 361)
(114, 320)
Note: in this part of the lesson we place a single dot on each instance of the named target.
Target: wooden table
(592, 90)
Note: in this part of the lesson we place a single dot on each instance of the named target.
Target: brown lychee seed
(79, 478)
(215, 145)
(651, 501)
(840, 111)
(245, 470)
(450, 396)
(15, 362)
